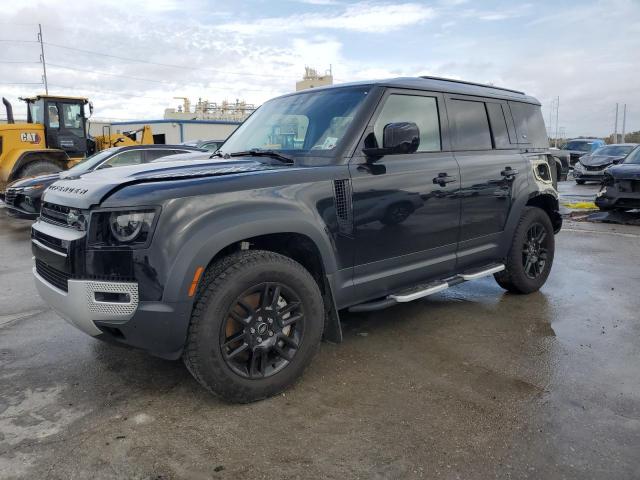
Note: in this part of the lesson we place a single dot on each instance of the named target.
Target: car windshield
(614, 150)
(633, 157)
(310, 123)
(93, 161)
(580, 146)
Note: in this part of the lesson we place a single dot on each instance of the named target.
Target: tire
(520, 276)
(249, 375)
(580, 182)
(39, 167)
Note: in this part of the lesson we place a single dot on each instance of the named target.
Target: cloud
(584, 53)
(359, 17)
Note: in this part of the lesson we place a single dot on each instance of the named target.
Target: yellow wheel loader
(55, 137)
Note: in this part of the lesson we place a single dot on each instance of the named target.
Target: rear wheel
(529, 261)
(255, 327)
(39, 167)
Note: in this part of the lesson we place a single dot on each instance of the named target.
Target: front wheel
(255, 327)
(530, 257)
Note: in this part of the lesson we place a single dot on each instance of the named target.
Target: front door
(405, 206)
(65, 124)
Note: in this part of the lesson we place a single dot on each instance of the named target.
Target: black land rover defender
(357, 196)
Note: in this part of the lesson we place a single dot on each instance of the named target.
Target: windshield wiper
(255, 152)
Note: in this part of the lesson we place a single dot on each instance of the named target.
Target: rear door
(406, 224)
(492, 172)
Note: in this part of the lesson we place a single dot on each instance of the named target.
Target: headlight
(578, 166)
(131, 228)
(33, 188)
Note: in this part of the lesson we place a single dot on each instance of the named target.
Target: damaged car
(621, 185)
(591, 167)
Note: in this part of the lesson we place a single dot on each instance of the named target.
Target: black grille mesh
(344, 211)
(52, 275)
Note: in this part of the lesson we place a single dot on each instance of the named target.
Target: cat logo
(30, 137)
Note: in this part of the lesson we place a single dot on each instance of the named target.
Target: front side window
(471, 125)
(130, 157)
(71, 115)
(633, 157)
(37, 111)
(54, 118)
(309, 123)
(423, 111)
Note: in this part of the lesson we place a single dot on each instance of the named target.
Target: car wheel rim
(535, 251)
(263, 330)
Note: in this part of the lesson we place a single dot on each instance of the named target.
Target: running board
(424, 290)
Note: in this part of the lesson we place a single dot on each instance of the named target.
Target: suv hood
(599, 160)
(628, 171)
(31, 181)
(91, 188)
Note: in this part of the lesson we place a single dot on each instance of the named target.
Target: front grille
(10, 196)
(52, 275)
(594, 169)
(49, 241)
(56, 214)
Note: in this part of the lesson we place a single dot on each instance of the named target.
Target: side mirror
(399, 137)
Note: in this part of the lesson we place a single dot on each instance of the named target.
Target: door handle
(508, 173)
(442, 179)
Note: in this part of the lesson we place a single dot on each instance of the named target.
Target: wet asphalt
(470, 383)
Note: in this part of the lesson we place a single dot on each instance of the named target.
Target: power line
(15, 62)
(146, 79)
(18, 41)
(21, 83)
(168, 65)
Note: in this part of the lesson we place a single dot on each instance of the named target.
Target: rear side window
(423, 111)
(529, 124)
(471, 125)
(498, 125)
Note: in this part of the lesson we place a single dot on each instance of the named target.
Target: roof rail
(471, 83)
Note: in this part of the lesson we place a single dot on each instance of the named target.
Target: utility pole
(557, 114)
(624, 121)
(615, 128)
(44, 63)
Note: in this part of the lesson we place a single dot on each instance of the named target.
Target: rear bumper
(160, 328)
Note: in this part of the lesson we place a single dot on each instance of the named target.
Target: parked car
(621, 185)
(591, 166)
(240, 264)
(210, 145)
(581, 146)
(22, 197)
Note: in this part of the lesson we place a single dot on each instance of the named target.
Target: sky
(132, 58)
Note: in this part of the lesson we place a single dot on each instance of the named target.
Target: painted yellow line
(581, 205)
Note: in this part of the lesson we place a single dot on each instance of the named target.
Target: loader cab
(64, 120)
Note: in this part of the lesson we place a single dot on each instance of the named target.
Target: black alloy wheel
(535, 251)
(263, 330)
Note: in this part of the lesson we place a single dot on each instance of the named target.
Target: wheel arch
(551, 207)
(58, 157)
(298, 239)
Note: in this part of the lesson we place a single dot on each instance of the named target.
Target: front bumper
(589, 175)
(79, 305)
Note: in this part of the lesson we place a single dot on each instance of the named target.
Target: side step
(423, 290)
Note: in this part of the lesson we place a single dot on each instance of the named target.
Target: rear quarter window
(529, 124)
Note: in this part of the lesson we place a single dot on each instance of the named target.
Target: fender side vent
(344, 210)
